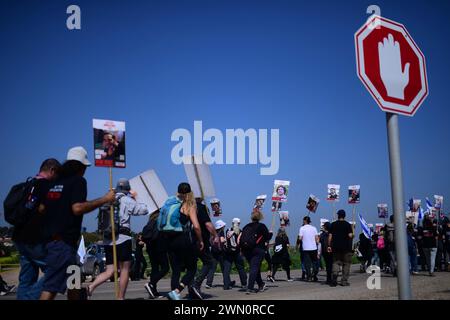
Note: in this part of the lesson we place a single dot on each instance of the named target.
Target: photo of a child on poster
(333, 192)
(109, 143)
(280, 190)
(276, 206)
(353, 194)
(382, 210)
(284, 219)
(312, 203)
(259, 202)
(215, 207)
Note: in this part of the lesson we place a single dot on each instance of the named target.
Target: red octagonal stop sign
(391, 66)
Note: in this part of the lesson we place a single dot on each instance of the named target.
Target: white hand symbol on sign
(394, 79)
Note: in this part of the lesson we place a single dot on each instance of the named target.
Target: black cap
(184, 188)
(341, 214)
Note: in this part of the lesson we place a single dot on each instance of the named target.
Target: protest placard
(215, 207)
(284, 218)
(438, 202)
(312, 204)
(382, 210)
(354, 194)
(280, 190)
(199, 177)
(109, 143)
(259, 202)
(333, 192)
(149, 190)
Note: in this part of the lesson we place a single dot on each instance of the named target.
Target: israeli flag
(429, 205)
(365, 227)
(410, 204)
(81, 250)
(420, 217)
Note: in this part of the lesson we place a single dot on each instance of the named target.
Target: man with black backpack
(22, 210)
(64, 207)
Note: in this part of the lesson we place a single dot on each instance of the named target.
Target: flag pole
(111, 216)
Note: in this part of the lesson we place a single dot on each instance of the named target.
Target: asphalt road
(423, 287)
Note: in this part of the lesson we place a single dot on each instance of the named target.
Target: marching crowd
(47, 213)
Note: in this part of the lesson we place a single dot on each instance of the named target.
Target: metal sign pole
(401, 246)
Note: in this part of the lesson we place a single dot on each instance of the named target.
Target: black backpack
(20, 203)
(150, 231)
(250, 237)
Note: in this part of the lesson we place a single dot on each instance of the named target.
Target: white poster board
(199, 177)
(149, 190)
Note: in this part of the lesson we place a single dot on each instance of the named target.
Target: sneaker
(271, 279)
(250, 291)
(232, 283)
(151, 290)
(290, 280)
(415, 273)
(173, 295)
(3, 293)
(262, 288)
(345, 284)
(333, 284)
(195, 293)
(315, 279)
(207, 286)
(10, 288)
(432, 274)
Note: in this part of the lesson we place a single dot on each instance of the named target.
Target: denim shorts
(60, 256)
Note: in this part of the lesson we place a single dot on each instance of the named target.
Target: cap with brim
(78, 154)
(236, 220)
(123, 185)
(220, 224)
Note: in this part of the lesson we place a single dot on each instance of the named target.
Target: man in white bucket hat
(64, 207)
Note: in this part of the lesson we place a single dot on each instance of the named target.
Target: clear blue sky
(160, 65)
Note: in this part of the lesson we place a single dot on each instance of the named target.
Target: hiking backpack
(250, 237)
(169, 216)
(150, 231)
(104, 219)
(20, 203)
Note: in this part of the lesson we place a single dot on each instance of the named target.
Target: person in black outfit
(256, 254)
(28, 238)
(365, 247)
(327, 256)
(340, 245)
(64, 207)
(157, 253)
(208, 232)
(281, 254)
(140, 265)
(233, 254)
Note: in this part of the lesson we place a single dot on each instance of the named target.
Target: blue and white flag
(365, 227)
(410, 204)
(420, 217)
(429, 205)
